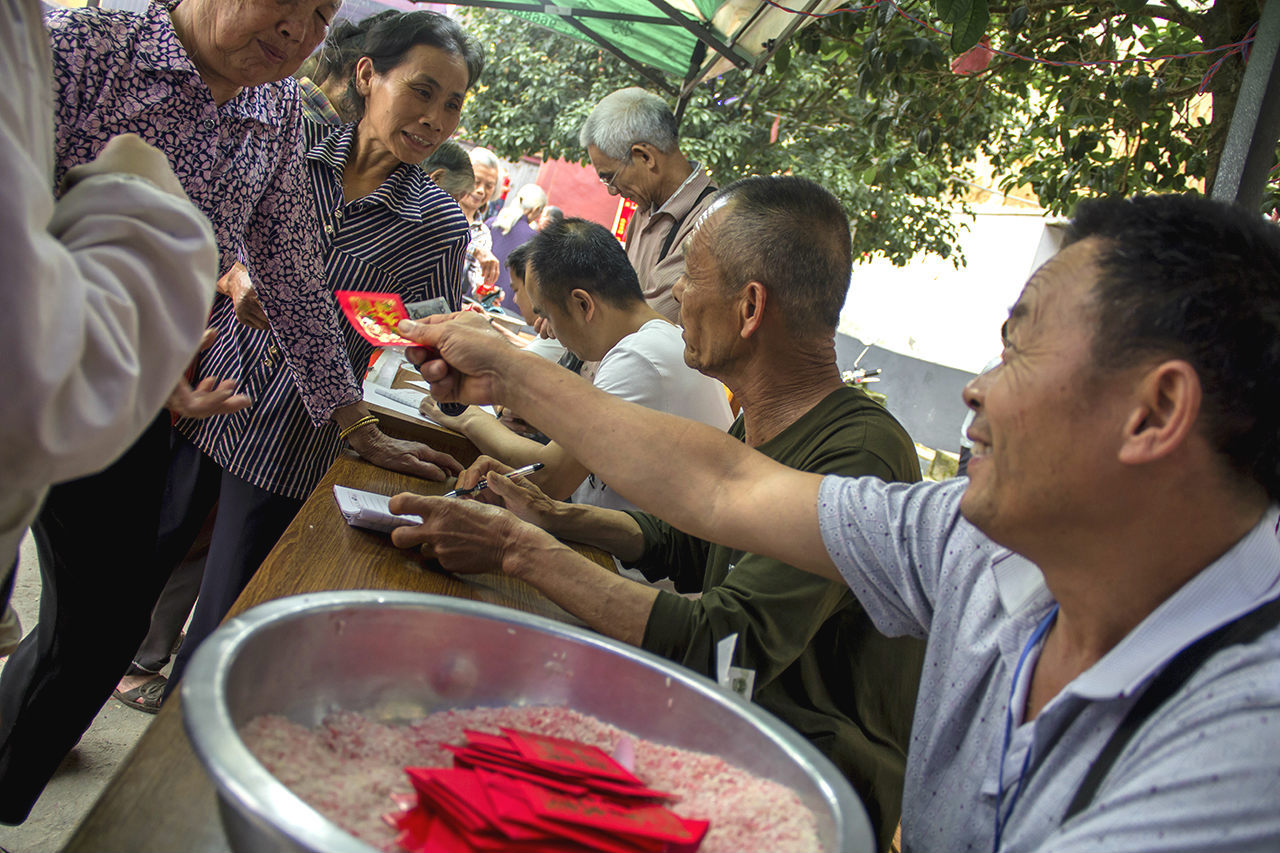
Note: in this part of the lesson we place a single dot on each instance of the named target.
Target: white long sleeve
(106, 295)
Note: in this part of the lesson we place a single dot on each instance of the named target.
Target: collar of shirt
(403, 192)
(161, 51)
(159, 48)
(680, 202)
(1234, 584)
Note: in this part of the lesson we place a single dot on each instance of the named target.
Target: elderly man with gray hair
(632, 140)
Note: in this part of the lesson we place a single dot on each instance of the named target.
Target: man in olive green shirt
(766, 275)
(819, 663)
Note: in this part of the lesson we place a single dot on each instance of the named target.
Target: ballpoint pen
(484, 484)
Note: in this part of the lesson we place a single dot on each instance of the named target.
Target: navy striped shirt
(407, 237)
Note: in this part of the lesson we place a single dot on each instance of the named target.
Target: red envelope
(526, 793)
(569, 756)
(518, 769)
(516, 820)
(443, 838)
(375, 316)
(456, 794)
(645, 819)
(617, 789)
(554, 779)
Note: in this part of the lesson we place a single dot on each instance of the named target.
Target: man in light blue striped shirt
(1100, 599)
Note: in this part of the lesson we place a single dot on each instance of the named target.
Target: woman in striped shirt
(385, 226)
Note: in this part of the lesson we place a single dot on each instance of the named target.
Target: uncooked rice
(348, 767)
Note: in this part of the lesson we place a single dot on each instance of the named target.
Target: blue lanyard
(1036, 636)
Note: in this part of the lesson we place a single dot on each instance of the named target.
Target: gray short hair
(485, 157)
(628, 116)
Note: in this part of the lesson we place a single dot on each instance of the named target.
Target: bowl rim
(240, 777)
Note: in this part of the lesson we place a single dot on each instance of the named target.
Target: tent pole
(536, 8)
(1250, 150)
(648, 73)
(690, 79)
(704, 34)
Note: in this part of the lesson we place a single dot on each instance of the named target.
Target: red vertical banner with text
(626, 210)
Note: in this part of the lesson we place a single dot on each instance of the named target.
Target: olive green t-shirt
(820, 665)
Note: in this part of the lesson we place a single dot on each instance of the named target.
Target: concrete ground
(89, 767)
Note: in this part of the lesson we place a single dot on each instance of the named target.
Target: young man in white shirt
(579, 280)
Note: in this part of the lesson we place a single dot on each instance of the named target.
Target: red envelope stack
(520, 792)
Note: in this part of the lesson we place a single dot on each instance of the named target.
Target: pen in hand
(484, 484)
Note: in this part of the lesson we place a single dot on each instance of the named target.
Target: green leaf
(949, 11)
(1017, 19)
(924, 140)
(968, 18)
(782, 59)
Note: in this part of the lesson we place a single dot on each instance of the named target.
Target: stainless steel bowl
(407, 655)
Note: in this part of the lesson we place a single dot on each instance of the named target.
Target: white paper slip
(373, 394)
(403, 401)
(404, 396)
(370, 510)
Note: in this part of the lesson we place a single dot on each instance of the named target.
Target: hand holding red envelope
(520, 792)
(375, 316)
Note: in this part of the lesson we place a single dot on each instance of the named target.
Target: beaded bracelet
(367, 419)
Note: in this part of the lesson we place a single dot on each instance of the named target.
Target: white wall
(930, 310)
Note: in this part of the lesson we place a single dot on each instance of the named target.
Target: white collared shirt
(1203, 773)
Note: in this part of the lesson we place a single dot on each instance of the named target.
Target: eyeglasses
(611, 182)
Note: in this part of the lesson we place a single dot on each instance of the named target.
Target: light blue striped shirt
(1203, 773)
(407, 237)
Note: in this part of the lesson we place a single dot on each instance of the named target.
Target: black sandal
(145, 697)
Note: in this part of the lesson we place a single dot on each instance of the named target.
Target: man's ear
(750, 305)
(645, 155)
(582, 304)
(1167, 406)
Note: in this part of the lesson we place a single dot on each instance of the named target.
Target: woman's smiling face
(415, 105)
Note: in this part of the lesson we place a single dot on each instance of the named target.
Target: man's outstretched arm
(701, 480)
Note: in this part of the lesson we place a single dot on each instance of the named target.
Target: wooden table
(161, 800)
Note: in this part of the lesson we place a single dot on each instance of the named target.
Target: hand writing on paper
(527, 501)
(467, 537)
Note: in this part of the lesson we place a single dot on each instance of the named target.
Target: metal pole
(538, 8)
(704, 34)
(1250, 150)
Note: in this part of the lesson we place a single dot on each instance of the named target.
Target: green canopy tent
(690, 40)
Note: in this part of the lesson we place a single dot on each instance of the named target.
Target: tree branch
(1177, 15)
